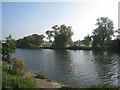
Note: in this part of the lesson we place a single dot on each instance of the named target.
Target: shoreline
(43, 83)
(37, 48)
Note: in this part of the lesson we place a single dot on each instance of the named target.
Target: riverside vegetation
(14, 69)
(60, 38)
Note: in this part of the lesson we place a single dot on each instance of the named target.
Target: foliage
(13, 69)
(80, 47)
(10, 81)
(62, 35)
(8, 47)
(30, 41)
(103, 32)
(50, 35)
(16, 67)
(115, 45)
(87, 40)
(42, 75)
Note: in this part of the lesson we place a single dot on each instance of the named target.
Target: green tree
(8, 47)
(50, 35)
(30, 41)
(62, 35)
(115, 44)
(87, 40)
(103, 32)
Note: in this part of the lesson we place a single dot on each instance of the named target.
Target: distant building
(46, 44)
(77, 43)
(80, 43)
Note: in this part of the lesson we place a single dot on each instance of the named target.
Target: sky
(25, 18)
(119, 15)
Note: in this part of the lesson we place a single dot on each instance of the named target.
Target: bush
(5, 68)
(42, 75)
(80, 47)
(10, 81)
(16, 67)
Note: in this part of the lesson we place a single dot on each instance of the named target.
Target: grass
(10, 80)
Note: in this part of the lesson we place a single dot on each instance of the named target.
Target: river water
(73, 67)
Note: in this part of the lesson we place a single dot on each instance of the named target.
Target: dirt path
(45, 84)
(42, 83)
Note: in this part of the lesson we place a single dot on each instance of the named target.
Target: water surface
(73, 67)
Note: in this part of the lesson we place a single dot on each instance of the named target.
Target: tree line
(61, 35)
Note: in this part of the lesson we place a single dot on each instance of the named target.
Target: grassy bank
(13, 81)
(10, 79)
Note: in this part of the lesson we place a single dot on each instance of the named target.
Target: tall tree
(8, 47)
(62, 35)
(103, 32)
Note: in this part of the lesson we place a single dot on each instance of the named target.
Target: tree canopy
(49, 35)
(30, 41)
(8, 47)
(62, 35)
(103, 32)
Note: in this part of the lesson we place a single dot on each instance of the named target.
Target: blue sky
(25, 18)
(20, 18)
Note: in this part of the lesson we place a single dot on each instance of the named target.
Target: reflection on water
(74, 67)
(106, 65)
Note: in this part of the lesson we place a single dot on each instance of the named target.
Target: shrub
(10, 81)
(42, 75)
(16, 67)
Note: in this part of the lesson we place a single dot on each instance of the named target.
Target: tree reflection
(106, 65)
(104, 57)
(63, 55)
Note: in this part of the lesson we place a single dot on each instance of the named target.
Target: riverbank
(43, 83)
(48, 83)
(75, 48)
(27, 80)
(37, 80)
(70, 48)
